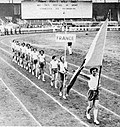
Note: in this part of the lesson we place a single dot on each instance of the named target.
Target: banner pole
(74, 77)
(65, 53)
(99, 77)
(65, 33)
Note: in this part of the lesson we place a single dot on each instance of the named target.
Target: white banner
(66, 38)
(47, 10)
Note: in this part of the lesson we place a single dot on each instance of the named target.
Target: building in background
(10, 9)
(102, 7)
(81, 9)
(52, 9)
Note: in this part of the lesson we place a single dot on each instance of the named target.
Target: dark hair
(53, 57)
(23, 44)
(94, 68)
(35, 49)
(61, 58)
(69, 43)
(42, 51)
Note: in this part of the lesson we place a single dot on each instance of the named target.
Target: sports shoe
(60, 94)
(56, 86)
(88, 115)
(51, 83)
(43, 80)
(26, 68)
(32, 73)
(64, 97)
(96, 122)
(38, 77)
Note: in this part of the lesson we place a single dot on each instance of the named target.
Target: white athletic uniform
(54, 64)
(41, 58)
(35, 55)
(62, 67)
(29, 51)
(54, 72)
(93, 82)
(13, 45)
(93, 93)
(21, 48)
(18, 48)
(31, 54)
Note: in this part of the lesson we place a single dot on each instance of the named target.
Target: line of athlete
(34, 61)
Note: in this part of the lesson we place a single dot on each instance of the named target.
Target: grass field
(39, 103)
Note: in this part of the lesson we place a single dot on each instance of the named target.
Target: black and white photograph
(59, 63)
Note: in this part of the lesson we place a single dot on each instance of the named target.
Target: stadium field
(32, 102)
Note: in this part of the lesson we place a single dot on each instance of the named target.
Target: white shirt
(35, 55)
(93, 82)
(41, 57)
(54, 64)
(13, 45)
(62, 67)
(23, 49)
(31, 54)
(27, 50)
(17, 47)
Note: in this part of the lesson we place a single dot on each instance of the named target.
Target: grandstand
(99, 9)
(53, 13)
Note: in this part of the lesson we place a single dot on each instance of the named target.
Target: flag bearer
(93, 95)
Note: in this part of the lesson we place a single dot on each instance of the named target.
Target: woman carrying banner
(93, 95)
(70, 48)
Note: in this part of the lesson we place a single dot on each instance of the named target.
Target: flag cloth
(94, 56)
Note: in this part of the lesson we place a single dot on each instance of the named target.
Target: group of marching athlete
(28, 57)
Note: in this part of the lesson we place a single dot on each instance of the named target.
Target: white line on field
(76, 117)
(84, 79)
(99, 104)
(21, 103)
(48, 94)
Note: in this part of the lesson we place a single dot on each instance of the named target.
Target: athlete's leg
(52, 78)
(61, 83)
(95, 111)
(89, 107)
(56, 79)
